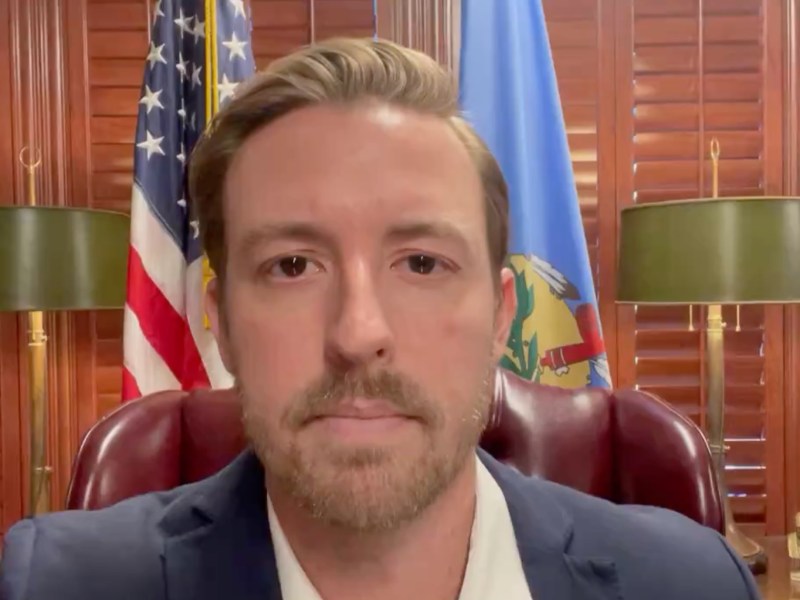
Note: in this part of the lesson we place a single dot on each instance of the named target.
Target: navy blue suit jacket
(210, 540)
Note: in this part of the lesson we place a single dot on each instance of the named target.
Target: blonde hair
(338, 71)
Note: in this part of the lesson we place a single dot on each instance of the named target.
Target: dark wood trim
(82, 332)
(10, 460)
(10, 504)
(607, 178)
(20, 98)
(791, 178)
(773, 315)
(703, 158)
(312, 21)
(774, 420)
(623, 84)
(792, 414)
(702, 150)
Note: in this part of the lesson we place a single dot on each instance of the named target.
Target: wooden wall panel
(36, 62)
(431, 26)
(116, 37)
(280, 26)
(792, 317)
(10, 464)
(582, 42)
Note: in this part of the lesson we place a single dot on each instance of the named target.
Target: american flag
(198, 48)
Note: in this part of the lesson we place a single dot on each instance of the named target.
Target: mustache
(331, 389)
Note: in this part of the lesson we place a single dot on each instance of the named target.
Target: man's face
(361, 317)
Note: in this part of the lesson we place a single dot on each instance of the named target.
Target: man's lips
(364, 409)
(359, 417)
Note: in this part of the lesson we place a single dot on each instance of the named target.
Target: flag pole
(212, 106)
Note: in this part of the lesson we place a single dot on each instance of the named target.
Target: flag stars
(155, 56)
(196, 75)
(184, 23)
(199, 30)
(182, 203)
(238, 6)
(158, 11)
(195, 225)
(182, 111)
(182, 155)
(152, 145)
(226, 88)
(235, 47)
(150, 99)
(181, 66)
(193, 121)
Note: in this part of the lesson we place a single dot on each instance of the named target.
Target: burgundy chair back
(626, 446)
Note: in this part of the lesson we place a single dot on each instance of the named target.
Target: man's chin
(367, 489)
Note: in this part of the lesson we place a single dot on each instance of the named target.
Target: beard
(365, 488)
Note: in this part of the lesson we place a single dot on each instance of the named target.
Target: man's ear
(214, 305)
(505, 312)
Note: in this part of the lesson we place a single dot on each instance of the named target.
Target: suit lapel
(544, 532)
(217, 539)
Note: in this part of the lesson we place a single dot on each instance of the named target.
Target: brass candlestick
(750, 551)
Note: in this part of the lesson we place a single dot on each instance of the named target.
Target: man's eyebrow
(297, 231)
(309, 233)
(429, 229)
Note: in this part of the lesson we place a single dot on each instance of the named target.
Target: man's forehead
(295, 171)
(341, 136)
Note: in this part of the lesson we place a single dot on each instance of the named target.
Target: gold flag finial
(715, 168)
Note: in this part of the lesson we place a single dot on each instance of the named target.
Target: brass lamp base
(747, 549)
(752, 554)
(39, 495)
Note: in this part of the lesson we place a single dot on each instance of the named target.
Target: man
(357, 227)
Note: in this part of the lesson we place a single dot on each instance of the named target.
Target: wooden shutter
(116, 44)
(582, 43)
(699, 70)
(280, 26)
(572, 30)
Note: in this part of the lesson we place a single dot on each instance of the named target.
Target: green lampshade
(710, 251)
(62, 258)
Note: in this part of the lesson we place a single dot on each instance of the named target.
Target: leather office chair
(625, 446)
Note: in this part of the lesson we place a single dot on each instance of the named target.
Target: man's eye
(290, 267)
(422, 264)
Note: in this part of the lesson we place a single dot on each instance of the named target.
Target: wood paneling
(791, 125)
(35, 66)
(581, 37)
(10, 464)
(431, 26)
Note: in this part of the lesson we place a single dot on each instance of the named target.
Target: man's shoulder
(89, 554)
(657, 549)
(656, 552)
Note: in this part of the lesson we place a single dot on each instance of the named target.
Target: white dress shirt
(494, 570)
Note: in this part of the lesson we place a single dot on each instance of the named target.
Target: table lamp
(713, 251)
(56, 259)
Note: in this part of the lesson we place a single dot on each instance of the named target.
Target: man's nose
(359, 334)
